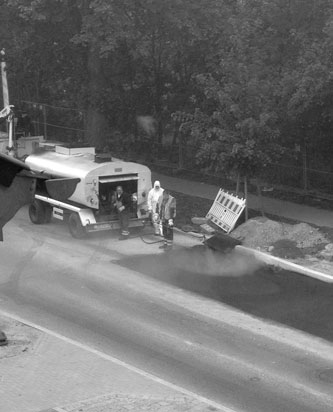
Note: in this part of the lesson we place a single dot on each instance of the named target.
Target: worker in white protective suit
(154, 201)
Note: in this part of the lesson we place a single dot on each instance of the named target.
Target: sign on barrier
(226, 210)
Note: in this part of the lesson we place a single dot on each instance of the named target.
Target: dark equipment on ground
(3, 339)
(222, 243)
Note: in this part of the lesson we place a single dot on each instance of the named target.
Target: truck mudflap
(113, 225)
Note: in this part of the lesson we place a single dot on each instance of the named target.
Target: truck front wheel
(37, 212)
(75, 226)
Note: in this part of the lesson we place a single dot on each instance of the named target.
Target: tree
(56, 70)
(156, 46)
(239, 120)
(250, 75)
(271, 74)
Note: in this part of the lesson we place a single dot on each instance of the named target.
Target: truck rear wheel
(37, 212)
(75, 226)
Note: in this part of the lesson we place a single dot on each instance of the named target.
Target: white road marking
(120, 363)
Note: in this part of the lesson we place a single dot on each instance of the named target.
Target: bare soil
(281, 237)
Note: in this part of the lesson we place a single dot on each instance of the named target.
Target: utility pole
(5, 94)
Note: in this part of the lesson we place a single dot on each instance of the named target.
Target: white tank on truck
(92, 185)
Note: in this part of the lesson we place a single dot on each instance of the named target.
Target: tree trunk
(181, 151)
(305, 167)
(97, 127)
(237, 184)
(174, 141)
(260, 198)
(157, 65)
(245, 195)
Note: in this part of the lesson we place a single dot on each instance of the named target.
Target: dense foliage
(242, 80)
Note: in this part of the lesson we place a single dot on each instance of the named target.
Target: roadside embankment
(299, 247)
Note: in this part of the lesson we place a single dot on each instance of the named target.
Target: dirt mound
(263, 233)
(286, 249)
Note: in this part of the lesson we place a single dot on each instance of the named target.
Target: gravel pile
(263, 233)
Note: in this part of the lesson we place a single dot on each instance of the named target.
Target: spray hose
(152, 233)
(201, 236)
(150, 243)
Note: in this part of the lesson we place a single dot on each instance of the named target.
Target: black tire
(37, 212)
(75, 226)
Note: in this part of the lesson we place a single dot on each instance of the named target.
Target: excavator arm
(6, 111)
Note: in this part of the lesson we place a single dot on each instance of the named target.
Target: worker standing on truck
(154, 203)
(167, 215)
(122, 204)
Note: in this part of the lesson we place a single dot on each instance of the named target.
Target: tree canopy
(246, 78)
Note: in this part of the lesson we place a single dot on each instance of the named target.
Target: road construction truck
(92, 184)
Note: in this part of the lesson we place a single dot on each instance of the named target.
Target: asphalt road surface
(291, 299)
(150, 309)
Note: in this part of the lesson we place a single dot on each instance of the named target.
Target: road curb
(284, 264)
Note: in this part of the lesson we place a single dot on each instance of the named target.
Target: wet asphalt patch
(284, 297)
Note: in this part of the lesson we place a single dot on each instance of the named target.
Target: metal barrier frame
(226, 210)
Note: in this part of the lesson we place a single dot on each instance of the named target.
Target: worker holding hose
(167, 216)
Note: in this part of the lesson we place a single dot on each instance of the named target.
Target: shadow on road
(284, 297)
